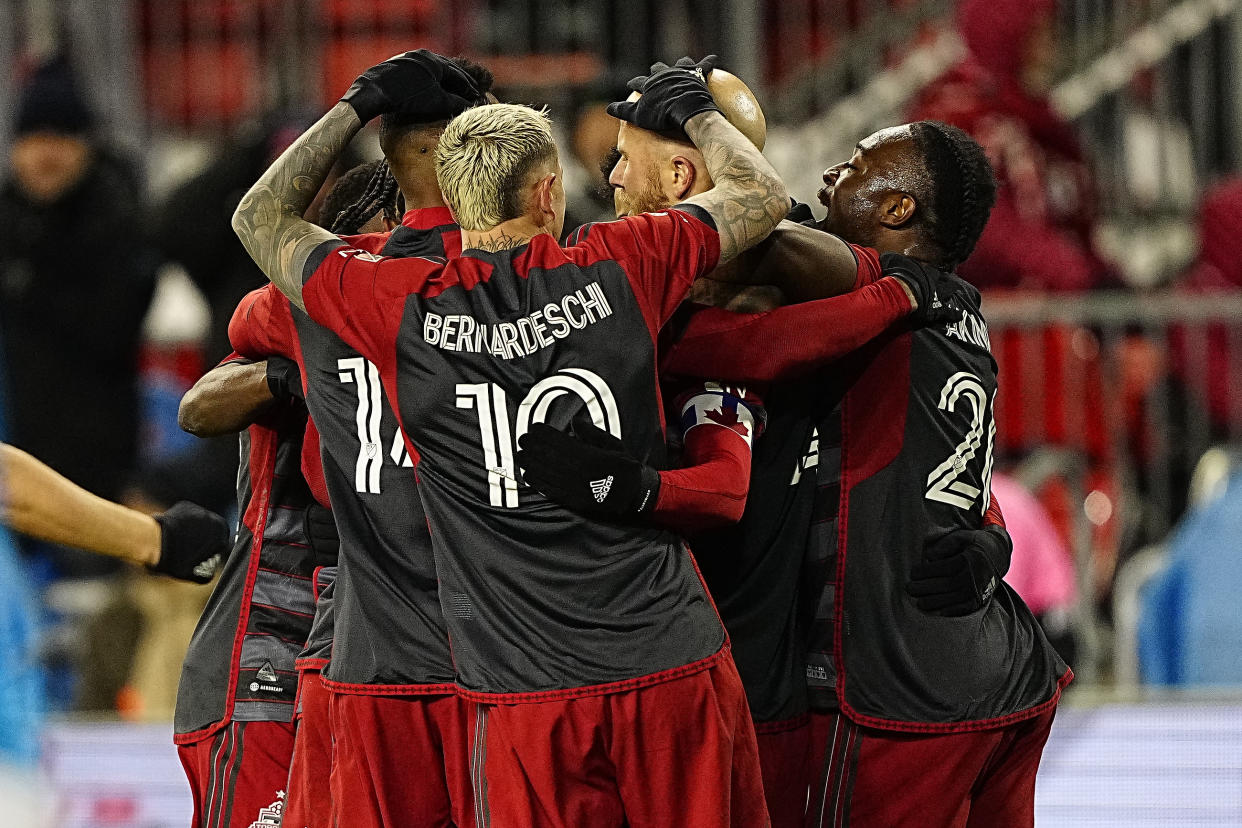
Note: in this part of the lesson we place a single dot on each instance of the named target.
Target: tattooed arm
(749, 198)
(269, 219)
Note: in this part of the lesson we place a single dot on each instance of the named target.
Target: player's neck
(890, 241)
(505, 236)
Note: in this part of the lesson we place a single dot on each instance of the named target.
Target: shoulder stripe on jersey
(698, 212)
(316, 257)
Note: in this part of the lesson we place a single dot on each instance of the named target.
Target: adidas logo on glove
(601, 488)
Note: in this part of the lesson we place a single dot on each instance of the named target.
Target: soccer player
(754, 570)
(233, 722)
(585, 643)
(395, 706)
(186, 542)
(928, 674)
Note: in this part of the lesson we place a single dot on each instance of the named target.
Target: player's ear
(684, 176)
(545, 198)
(897, 210)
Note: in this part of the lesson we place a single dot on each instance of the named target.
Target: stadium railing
(1107, 402)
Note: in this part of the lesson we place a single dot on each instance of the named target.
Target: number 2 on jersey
(944, 484)
(498, 437)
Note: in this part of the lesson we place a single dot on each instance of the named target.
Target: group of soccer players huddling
(684, 520)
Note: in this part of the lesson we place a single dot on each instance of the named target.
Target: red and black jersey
(905, 457)
(539, 601)
(240, 662)
(754, 570)
(386, 588)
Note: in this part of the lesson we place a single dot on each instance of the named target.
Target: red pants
(870, 777)
(308, 803)
(681, 753)
(784, 755)
(401, 761)
(238, 775)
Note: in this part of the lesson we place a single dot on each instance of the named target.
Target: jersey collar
(427, 218)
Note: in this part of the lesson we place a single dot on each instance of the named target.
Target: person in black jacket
(75, 284)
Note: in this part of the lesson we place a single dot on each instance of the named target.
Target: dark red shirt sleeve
(787, 341)
(661, 253)
(359, 296)
(262, 325)
(869, 269)
(720, 425)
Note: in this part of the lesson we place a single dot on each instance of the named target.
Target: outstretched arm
(186, 542)
(785, 342)
(749, 198)
(38, 502)
(269, 218)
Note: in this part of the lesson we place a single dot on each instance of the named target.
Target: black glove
(193, 543)
(418, 83)
(284, 380)
(588, 472)
(704, 67)
(923, 281)
(671, 95)
(959, 572)
(321, 535)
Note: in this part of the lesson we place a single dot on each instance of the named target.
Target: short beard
(650, 199)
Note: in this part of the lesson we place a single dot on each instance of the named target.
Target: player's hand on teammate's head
(960, 571)
(193, 543)
(419, 84)
(671, 95)
(589, 471)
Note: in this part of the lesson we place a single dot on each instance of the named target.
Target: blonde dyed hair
(484, 158)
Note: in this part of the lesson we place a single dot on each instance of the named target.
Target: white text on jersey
(971, 329)
(508, 340)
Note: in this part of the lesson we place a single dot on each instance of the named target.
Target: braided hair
(364, 191)
(963, 189)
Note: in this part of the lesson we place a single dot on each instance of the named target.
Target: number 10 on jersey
(498, 437)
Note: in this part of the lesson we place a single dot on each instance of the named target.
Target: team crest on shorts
(269, 817)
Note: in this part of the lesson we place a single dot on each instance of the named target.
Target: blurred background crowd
(1111, 272)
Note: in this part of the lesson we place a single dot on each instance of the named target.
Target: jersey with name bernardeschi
(906, 457)
(388, 627)
(240, 662)
(540, 602)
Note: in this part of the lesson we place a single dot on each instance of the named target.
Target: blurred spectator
(75, 283)
(1042, 568)
(193, 225)
(1190, 632)
(192, 228)
(1047, 197)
